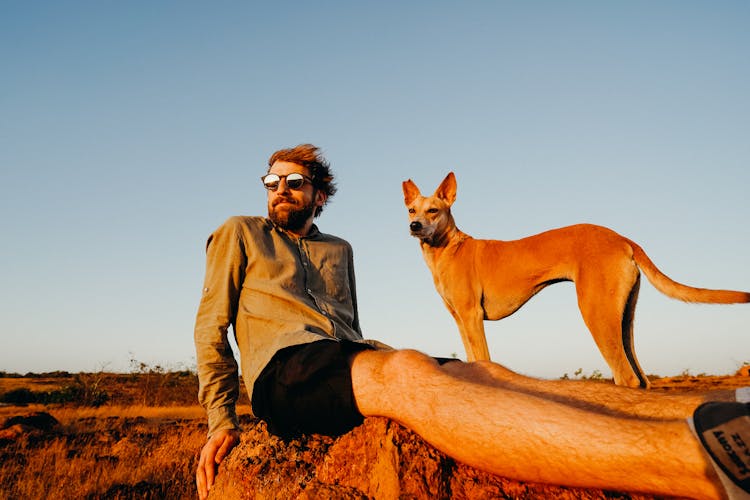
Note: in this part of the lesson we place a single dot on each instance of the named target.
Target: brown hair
(310, 157)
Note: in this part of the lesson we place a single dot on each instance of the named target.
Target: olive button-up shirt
(275, 290)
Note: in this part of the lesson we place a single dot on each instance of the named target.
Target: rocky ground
(382, 460)
(141, 451)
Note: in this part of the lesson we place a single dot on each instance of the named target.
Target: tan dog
(491, 279)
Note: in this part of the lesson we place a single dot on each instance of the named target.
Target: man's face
(293, 209)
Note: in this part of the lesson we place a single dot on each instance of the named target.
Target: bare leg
(529, 438)
(593, 396)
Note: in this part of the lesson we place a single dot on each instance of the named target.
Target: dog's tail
(678, 291)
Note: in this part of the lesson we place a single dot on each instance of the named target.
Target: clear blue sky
(130, 130)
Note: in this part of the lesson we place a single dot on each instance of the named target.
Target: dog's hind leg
(627, 333)
(608, 306)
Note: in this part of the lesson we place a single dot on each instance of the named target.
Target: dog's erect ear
(446, 191)
(411, 191)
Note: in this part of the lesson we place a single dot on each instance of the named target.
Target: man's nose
(283, 187)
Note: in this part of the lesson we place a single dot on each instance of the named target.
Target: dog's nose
(415, 226)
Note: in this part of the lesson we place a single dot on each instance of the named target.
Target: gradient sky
(130, 130)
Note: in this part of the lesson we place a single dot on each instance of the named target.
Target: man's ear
(446, 191)
(411, 191)
(320, 197)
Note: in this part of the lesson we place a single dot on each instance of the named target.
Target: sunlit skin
(213, 452)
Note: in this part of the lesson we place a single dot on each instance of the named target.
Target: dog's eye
(432, 210)
(412, 211)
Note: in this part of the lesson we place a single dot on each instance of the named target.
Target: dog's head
(430, 216)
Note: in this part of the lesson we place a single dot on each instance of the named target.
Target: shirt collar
(312, 235)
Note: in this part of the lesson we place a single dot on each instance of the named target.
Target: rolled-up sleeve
(217, 368)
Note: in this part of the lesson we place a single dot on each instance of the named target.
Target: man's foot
(724, 431)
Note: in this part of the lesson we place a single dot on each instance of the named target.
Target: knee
(390, 383)
(407, 364)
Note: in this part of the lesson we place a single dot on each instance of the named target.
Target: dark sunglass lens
(295, 181)
(271, 181)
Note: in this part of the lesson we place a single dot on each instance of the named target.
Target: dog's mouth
(418, 230)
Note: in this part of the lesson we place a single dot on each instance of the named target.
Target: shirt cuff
(223, 417)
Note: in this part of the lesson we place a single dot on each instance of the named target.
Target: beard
(293, 218)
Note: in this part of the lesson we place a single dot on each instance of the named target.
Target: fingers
(230, 441)
(213, 452)
(206, 471)
(210, 470)
(200, 479)
(200, 482)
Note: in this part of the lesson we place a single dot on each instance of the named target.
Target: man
(288, 291)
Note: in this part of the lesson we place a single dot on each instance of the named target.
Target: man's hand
(214, 451)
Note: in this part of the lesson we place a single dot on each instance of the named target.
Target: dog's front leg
(471, 327)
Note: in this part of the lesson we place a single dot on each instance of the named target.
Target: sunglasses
(293, 181)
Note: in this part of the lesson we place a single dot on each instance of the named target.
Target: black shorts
(307, 389)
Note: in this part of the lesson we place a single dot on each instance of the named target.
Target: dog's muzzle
(415, 226)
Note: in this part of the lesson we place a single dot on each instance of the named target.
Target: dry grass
(108, 452)
(114, 451)
(38, 385)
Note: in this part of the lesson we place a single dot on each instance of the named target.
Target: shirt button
(309, 291)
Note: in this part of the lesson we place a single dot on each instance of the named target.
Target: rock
(40, 420)
(32, 424)
(378, 460)
(13, 432)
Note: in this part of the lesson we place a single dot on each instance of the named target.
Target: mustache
(290, 201)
